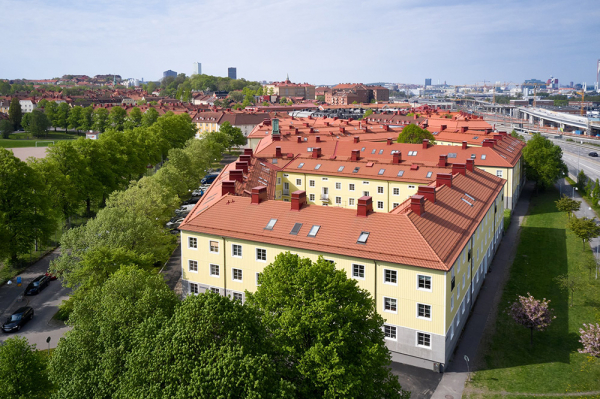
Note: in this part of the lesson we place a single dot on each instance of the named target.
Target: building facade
(232, 73)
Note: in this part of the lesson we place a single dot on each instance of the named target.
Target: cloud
(314, 41)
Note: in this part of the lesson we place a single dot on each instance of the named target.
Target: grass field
(552, 366)
(25, 140)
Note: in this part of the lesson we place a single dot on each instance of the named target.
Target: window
(424, 282)
(318, 166)
(296, 229)
(379, 204)
(298, 182)
(380, 152)
(395, 204)
(423, 311)
(237, 274)
(350, 201)
(341, 168)
(215, 290)
(463, 307)
(464, 281)
(338, 200)
(452, 302)
(261, 254)
(324, 178)
(358, 271)
(365, 182)
(451, 330)
(236, 250)
(396, 191)
(193, 265)
(390, 332)
(356, 169)
(192, 242)
(389, 304)
(258, 277)
(373, 151)
(238, 297)
(338, 186)
(499, 173)
(311, 183)
(214, 246)
(424, 340)
(483, 156)
(366, 193)
(301, 165)
(363, 237)
(279, 181)
(313, 231)
(381, 171)
(214, 270)
(311, 197)
(380, 190)
(351, 186)
(429, 174)
(271, 224)
(194, 288)
(411, 187)
(400, 173)
(390, 276)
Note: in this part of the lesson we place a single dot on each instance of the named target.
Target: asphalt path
(44, 305)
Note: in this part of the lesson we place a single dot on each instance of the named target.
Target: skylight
(318, 166)
(340, 168)
(451, 155)
(380, 152)
(301, 165)
(483, 156)
(356, 170)
(475, 138)
(362, 149)
(363, 237)
(274, 160)
(296, 229)
(467, 202)
(473, 156)
(470, 197)
(313, 231)
(309, 149)
(381, 171)
(271, 224)
(429, 174)
(374, 150)
(400, 173)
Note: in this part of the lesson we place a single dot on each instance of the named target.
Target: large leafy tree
(100, 120)
(62, 116)
(316, 316)
(117, 117)
(236, 137)
(590, 339)
(6, 128)
(90, 360)
(543, 161)
(568, 205)
(25, 215)
(134, 119)
(38, 123)
(531, 313)
(15, 113)
(86, 121)
(415, 135)
(149, 117)
(584, 228)
(74, 118)
(23, 372)
(51, 111)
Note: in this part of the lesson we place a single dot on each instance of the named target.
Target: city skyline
(461, 43)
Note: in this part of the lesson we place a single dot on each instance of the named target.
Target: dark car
(193, 200)
(37, 285)
(18, 319)
(208, 179)
(593, 154)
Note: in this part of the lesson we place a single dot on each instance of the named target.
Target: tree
(51, 111)
(6, 128)
(117, 117)
(569, 283)
(596, 191)
(74, 119)
(62, 116)
(531, 313)
(568, 205)
(149, 117)
(236, 96)
(581, 180)
(321, 99)
(195, 352)
(100, 119)
(150, 87)
(543, 161)
(415, 135)
(90, 360)
(135, 117)
(584, 228)
(86, 119)
(515, 134)
(367, 113)
(23, 372)
(38, 123)
(315, 316)
(15, 113)
(236, 137)
(590, 339)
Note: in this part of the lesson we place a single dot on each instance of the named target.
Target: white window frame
(424, 346)
(234, 293)
(423, 317)
(351, 186)
(396, 191)
(256, 280)
(195, 291)
(210, 247)
(395, 302)
(298, 182)
(233, 255)
(190, 266)
(338, 200)
(210, 270)
(279, 181)
(363, 271)
(311, 183)
(430, 289)
(233, 270)
(195, 240)
(380, 204)
(499, 173)
(311, 197)
(215, 290)
(338, 185)
(379, 189)
(395, 332)
(257, 258)
(387, 282)
(351, 201)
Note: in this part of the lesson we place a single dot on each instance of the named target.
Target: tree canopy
(23, 372)
(584, 228)
(568, 205)
(543, 161)
(15, 113)
(415, 135)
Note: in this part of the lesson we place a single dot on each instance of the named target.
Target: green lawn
(552, 365)
(25, 140)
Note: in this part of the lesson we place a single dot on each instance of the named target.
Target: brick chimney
(390, 141)
(316, 152)
(355, 155)
(396, 158)
(503, 134)
(386, 128)
(248, 151)
(464, 145)
(443, 161)
(276, 137)
(342, 129)
(237, 175)
(463, 129)
(278, 152)
(417, 204)
(356, 139)
(259, 194)
(443, 178)
(298, 200)
(443, 127)
(318, 139)
(470, 164)
(299, 139)
(365, 206)
(245, 158)
(498, 137)
(428, 192)
(459, 168)
(488, 143)
(242, 165)
(228, 187)
(425, 143)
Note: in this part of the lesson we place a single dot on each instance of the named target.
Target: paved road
(45, 305)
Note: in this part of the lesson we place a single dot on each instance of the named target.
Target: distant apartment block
(427, 82)
(197, 69)
(169, 73)
(349, 93)
(286, 88)
(232, 73)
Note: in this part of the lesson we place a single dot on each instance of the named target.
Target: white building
(197, 69)
(27, 105)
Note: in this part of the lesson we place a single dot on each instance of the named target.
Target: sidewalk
(453, 381)
(584, 211)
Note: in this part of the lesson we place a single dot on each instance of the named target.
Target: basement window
(363, 237)
(296, 229)
(271, 224)
(313, 231)
(301, 165)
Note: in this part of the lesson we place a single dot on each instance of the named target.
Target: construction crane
(582, 92)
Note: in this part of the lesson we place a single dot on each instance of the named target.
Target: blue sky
(321, 42)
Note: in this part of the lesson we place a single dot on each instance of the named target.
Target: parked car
(198, 192)
(51, 276)
(208, 179)
(184, 210)
(193, 200)
(174, 222)
(18, 319)
(593, 154)
(37, 285)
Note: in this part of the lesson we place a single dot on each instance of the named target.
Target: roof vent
(390, 141)
(316, 152)
(396, 157)
(242, 165)
(318, 139)
(237, 175)
(355, 155)
(470, 164)
(248, 151)
(488, 143)
(356, 139)
(278, 152)
(464, 145)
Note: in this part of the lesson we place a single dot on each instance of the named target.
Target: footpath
(453, 380)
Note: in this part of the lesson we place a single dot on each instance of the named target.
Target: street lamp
(574, 189)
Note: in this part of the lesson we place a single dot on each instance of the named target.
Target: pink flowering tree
(531, 313)
(590, 338)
